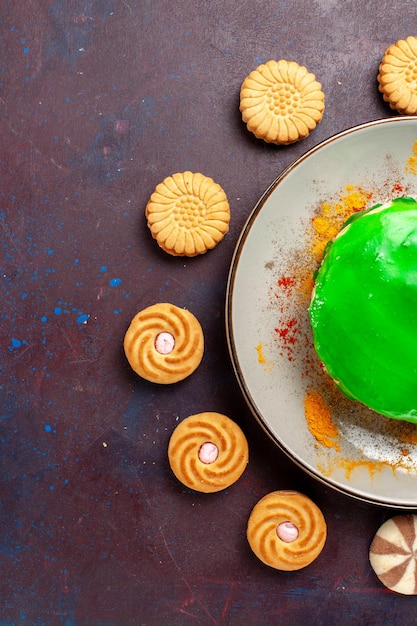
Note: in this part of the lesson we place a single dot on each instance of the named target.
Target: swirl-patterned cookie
(393, 554)
(286, 530)
(164, 344)
(397, 77)
(208, 452)
(281, 102)
(188, 214)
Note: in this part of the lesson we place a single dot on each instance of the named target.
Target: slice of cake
(363, 310)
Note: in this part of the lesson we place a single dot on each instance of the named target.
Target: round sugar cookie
(208, 452)
(188, 214)
(397, 76)
(164, 344)
(281, 102)
(393, 554)
(286, 530)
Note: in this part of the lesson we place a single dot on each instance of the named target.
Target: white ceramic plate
(372, 458)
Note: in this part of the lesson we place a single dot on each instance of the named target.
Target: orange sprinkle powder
(411, 165)
(319, 420)
(348, 465)
(261, 358)
(331, 217)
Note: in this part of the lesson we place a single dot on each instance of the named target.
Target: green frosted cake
(363, 310)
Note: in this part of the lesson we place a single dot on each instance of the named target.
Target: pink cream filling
(287, 531)
(208, 452)
(164, 343)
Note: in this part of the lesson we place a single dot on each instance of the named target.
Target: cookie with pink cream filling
(164, 344)
(208, 452)
(286, 530)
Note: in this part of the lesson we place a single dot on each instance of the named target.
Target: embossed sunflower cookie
(397, 77)
(208, 452)
(188, 214)
(281, 102)
(393, 554)
(164, 344)
(286, 530)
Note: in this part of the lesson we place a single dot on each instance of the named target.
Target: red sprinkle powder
(288, 332)
(286, 281)
(288, 336)
(397, 188)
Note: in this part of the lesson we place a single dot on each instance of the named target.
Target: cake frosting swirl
(363, 310)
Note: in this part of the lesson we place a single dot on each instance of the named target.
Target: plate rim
(244, 233)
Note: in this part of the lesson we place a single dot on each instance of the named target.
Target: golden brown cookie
(393, 554)
(188, 214)
(164, 344)
(397, 76)
(286, 530)
(208, 452)
(281, 102)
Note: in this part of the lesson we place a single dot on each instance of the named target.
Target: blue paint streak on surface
(5, 416)
(72, 25)
(67, 601)
(117, 135)
(131, 423)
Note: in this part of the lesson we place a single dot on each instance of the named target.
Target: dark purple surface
(100, 100)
